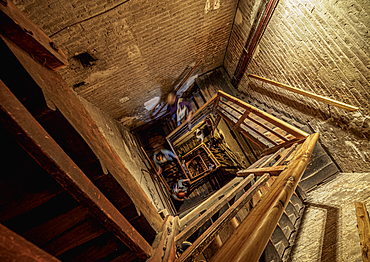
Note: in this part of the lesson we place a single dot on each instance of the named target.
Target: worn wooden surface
(323, 99)
(17, 27)
(15, 248)
(38, 143)
(260, 223)
(363, 223)
(74, 111)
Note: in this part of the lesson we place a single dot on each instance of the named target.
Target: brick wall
(141, 47)
(322, 47)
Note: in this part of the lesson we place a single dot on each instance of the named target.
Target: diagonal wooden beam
(22, 31)
(274, 171)
(302, 92)
(38, 143)
(70, 105)
(13, 247)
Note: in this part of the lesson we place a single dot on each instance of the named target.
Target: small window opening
(86, 59)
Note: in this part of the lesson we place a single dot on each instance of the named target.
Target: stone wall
(328, 231)
(128, 149)
(318, 46)
(141, 47)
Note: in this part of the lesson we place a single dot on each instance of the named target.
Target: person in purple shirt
(179, 109)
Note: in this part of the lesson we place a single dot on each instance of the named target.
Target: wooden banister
(302, 92)
(258, 227)
(272, 119)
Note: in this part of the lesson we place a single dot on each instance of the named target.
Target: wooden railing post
(258, 227)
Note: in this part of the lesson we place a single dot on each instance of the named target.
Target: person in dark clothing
(161, 157)
(179, 109)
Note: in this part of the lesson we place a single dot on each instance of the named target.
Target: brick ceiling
(137, 50)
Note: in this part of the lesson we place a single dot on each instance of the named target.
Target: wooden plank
(363, 223)
(270, 118)
(323, 99)
(274, 171)
(262, 220)
(21, 30)
(195, 225)
(287, 144)
(241, 119)
(164, 246)
(252, 138)
(203, 241)
(13, 247)
(38, 143)
(268, 128)
(254, 129)
(195, 213)
(75, 112)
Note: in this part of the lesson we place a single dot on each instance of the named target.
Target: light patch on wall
(349, 143)
(124, 99)
(212, 5)
(101, 74)
(255, 10)
(187, 84)
(133, 51)
(238, 17)
(150, 104)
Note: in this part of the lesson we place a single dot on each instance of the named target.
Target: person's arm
(169, 153)
(159, 170)
(176, 198)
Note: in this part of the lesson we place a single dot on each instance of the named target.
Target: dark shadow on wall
(305, 109)
(330, 234)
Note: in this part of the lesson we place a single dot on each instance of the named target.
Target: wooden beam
(74, 111)
(13, 247)
(269, 129)
(302, 92)
(207, 237)
(270, 118)
(274, 171)
(254, 140)
(195, 225)
(22, 31)
(38, 143)
(363, 223)
(241, 119)
(258, 227)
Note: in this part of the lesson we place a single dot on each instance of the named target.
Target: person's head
(171, 98)
(181, 194)
(159, 156)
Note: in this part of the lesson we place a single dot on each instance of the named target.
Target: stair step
(319, 177)
(279, 239)
(286, 225)
(297, 202)
(270, 254)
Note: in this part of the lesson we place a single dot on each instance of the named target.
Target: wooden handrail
(274, 120)
(258, 227)
(302, 92)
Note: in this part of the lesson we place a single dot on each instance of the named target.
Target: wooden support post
(363, 223)
(241, 119)
(75, 112)
(13, 247)
(323, 99)
(261, 222)
(274, 171)
(39, 144)
(21, 30)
